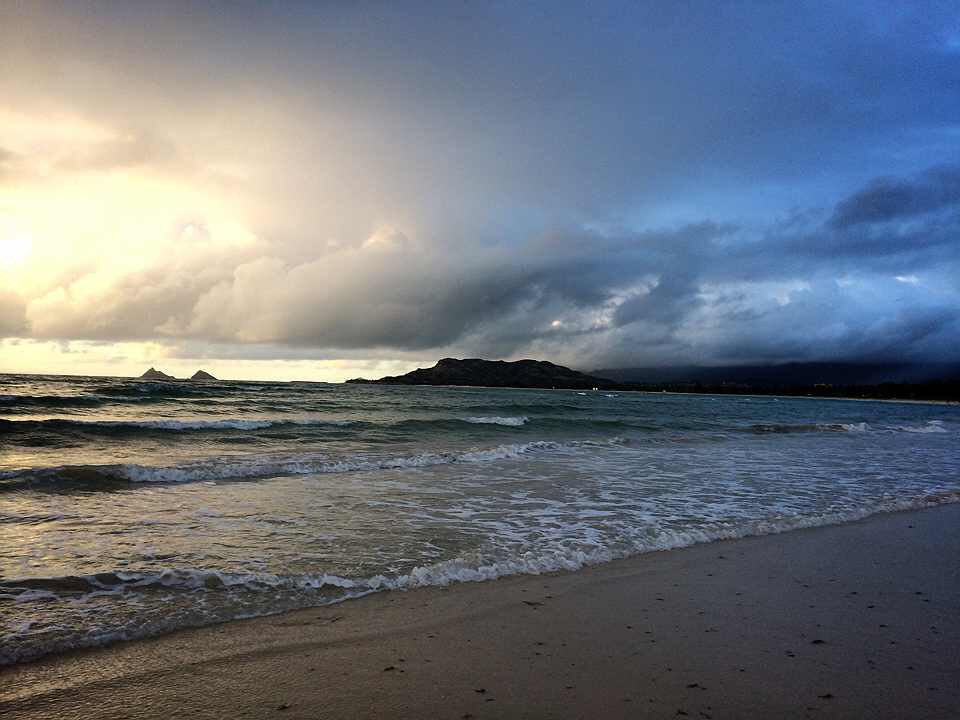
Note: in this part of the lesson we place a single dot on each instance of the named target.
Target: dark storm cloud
(825, 322)
(789, 291)
(890, 198)
(669, 301)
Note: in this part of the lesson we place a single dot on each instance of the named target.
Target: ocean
(131, 508)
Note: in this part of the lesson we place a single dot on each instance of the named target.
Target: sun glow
(80, 214)
(14, 251)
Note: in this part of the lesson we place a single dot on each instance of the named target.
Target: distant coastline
(475, 372)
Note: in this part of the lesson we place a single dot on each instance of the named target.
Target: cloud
(9, 162)
(13, 320)
(892, 198)
(704, 292)
(140, 305)
(129, 149)
(827, 322)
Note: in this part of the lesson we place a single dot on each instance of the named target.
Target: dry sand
(853, 621)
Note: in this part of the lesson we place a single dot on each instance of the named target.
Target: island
(159, 375)
(497, 373)
(154, 374)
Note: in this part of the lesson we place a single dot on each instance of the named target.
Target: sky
(322, 190)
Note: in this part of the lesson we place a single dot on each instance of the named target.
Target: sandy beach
(855, 620)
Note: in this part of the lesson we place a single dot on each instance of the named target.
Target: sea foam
(317, 589)
(250, 468)
(508, 421)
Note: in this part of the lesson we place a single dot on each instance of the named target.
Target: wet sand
(857, 620)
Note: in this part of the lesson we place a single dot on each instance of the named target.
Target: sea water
(130, 508)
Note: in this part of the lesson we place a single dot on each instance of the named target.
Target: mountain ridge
(496, 373)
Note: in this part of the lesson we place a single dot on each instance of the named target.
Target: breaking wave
(932, 426)
(256, 468)
(107, 426)
(317, 589)
(508, 421)
(30, 403)
(808, 427)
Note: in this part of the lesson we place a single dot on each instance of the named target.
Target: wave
(10, 403)
(256, 468)
(53, 431)
(110, 426)
(70, 426)
(233, 424)
(509, 421)
(11, 518)
(808, 427)
(197, 424)
(536, 563)
(183, 388)
(932, 426)
(511, 408)
(318, 589)
(118, 581)
(34, 403)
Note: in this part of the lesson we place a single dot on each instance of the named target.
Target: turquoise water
(130, 508)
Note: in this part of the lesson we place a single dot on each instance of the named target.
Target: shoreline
(834, 621)
(496, 572)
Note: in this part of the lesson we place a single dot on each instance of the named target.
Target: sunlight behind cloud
(130, 359)
(78, 222)
(14, 249)
(49, 136)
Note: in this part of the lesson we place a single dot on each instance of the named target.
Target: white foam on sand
(475, 567)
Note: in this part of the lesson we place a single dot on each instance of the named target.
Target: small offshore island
(159, 375)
